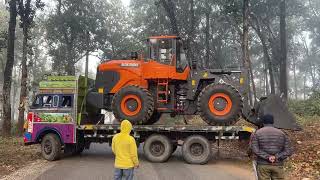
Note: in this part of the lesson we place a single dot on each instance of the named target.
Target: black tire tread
(149, 104)
(231, 120)
(188, 157)
(56, 151)
(167, 152)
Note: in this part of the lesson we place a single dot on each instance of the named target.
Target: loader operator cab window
(182, 62)
(162, 50)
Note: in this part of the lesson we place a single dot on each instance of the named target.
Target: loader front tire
(220, 104)
(134, 104)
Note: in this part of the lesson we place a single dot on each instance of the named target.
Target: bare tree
(283, 47)
(245, 49)
(169, 7)
(6, 127)
(268, 62)
(26, 12)
(207, 34)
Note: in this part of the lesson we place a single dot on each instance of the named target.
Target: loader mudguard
(199, 79)
(273, 105)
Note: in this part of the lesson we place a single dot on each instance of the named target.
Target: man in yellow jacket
(124, 148)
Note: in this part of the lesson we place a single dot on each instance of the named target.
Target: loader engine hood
(119, 64)
(113, 75)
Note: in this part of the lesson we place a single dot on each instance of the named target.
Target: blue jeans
(126, 174)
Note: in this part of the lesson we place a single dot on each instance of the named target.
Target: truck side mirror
(134, 55)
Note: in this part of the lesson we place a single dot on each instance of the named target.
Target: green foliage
(72, 30)
(309, 107)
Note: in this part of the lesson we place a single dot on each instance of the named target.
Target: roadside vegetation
(14, 155)
(305, 163)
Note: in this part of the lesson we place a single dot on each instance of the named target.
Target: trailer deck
(104, 132)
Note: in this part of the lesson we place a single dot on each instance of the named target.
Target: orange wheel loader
(142, 89)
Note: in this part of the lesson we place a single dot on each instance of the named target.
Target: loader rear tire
(220, 104)
(134, 104)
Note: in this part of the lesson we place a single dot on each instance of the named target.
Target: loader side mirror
(134, 55)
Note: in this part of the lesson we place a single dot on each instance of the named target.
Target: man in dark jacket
(271, 147)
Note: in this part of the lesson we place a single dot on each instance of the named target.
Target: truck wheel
(134, 104)
(196, 150)
(157, 148)
(51, 147)
(220, 104)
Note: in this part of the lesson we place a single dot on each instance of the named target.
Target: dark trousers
(267, 172)
(126, 174)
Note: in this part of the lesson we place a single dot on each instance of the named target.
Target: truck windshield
(52, 101)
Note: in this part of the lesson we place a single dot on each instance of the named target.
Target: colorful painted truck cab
(53, 115)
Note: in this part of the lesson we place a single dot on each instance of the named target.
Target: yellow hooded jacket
(124, 148)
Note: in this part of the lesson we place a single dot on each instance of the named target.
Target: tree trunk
(169, 7)
(267, 58)
(252, 80)
(267, 92)
(295, 78)
(69, 68)
(245, 51)
(207, 30)
(283, 47)
(309, 62)
(6, 126)
(312, 74)
(304, 86)
(24, 74)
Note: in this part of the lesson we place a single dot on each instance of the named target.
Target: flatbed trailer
(105, 132)
(161, 141)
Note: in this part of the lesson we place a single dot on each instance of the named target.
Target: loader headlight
(241, 80)
(100, 90)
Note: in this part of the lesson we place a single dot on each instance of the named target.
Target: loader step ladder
(162, 92)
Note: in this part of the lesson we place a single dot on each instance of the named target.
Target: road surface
(97, 164)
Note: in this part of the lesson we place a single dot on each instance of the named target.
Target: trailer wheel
(51, 147)
(134, 104)
(220, 104)
(157, 148)
(196, 150)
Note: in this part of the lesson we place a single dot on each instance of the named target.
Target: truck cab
(53, 111)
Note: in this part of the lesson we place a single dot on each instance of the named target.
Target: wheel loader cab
(168, 50)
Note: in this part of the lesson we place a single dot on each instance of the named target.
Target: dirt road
(98, 164)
